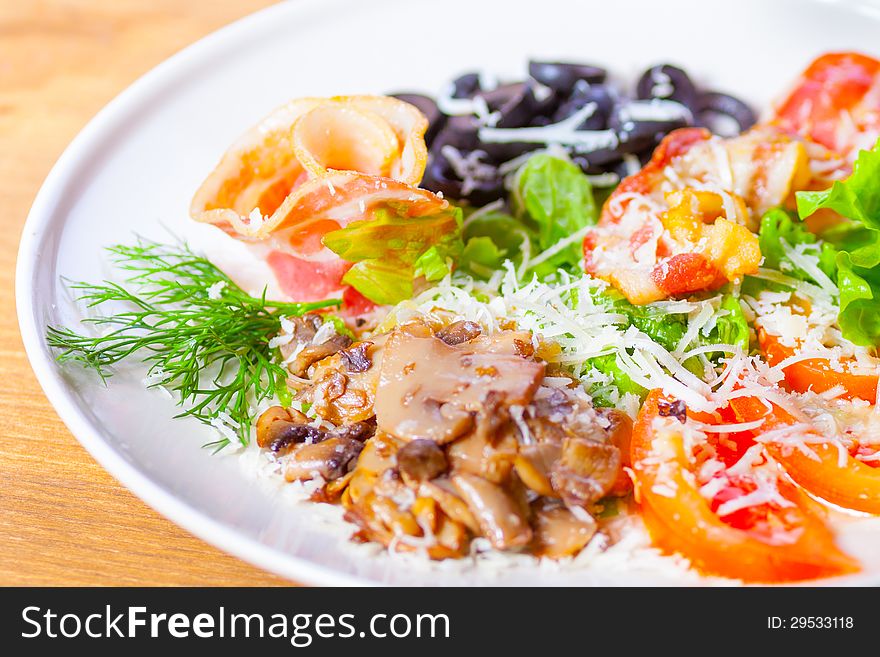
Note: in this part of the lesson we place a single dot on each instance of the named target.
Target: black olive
(465, 86)
(667, 82)
(561, 76)
(622, 168)
(591, 168)
(427, 106)
(441, 177)
(460, 132)
(598, 161)
(711, 104)
(517, 104)
(581, 95)
(503, 152)
(637, 135)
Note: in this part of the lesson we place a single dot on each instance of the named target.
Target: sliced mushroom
(558, 532)
(499, 515)
(357, 358)
(459, 332)
(330, 459)
(451, 504)
(280, 429)
(619, 431)
(307, 351)
(586, 471)
(428, 389)
(533, 465)
(488, 456)
(343, 395)
(421, 460)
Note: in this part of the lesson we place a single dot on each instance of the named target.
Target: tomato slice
(853, 484)
(833, 85)
(816, 374)
(780, 540)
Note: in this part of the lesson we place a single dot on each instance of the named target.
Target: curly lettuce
(857, 242)
(556, 197)
(667, 329)
(391, 250)
(552, 199)
(777, 229)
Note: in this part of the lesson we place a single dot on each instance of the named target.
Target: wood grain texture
(63, 519)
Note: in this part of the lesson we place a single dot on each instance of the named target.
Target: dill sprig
(201, 335)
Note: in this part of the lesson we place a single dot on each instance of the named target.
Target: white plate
(139, 161)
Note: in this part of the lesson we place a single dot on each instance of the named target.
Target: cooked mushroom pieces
(357, 358)
(310, 449)
(329, 459)
(421, 460)
(394, 498)
(559, 532)
(344, 384)
(311, 339)
(280, 429)
(586, 471)
(429, 389)
(500, 516)
(459, 332)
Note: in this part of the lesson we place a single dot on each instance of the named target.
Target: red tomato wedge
(816, 374)
(777, 541)
(853, 484)
(835, 102)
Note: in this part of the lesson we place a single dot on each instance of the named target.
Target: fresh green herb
(390, 250)
(858, 241)
(200, 334)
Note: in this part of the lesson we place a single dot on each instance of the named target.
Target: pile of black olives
(666, 99)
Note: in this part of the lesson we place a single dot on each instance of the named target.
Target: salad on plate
(533, 318)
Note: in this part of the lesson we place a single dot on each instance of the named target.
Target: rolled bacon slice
(305, 269)
(312, 166)
(304, 140)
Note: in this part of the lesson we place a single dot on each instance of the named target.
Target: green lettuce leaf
(856, 198)
(858, 244)
(490, 239)
(556, 197)
(602, 394)
(777, 226)
(731, 328)
(666, 329)
(390, 250)
(552, 200)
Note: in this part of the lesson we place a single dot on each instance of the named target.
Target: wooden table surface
(63, 519)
